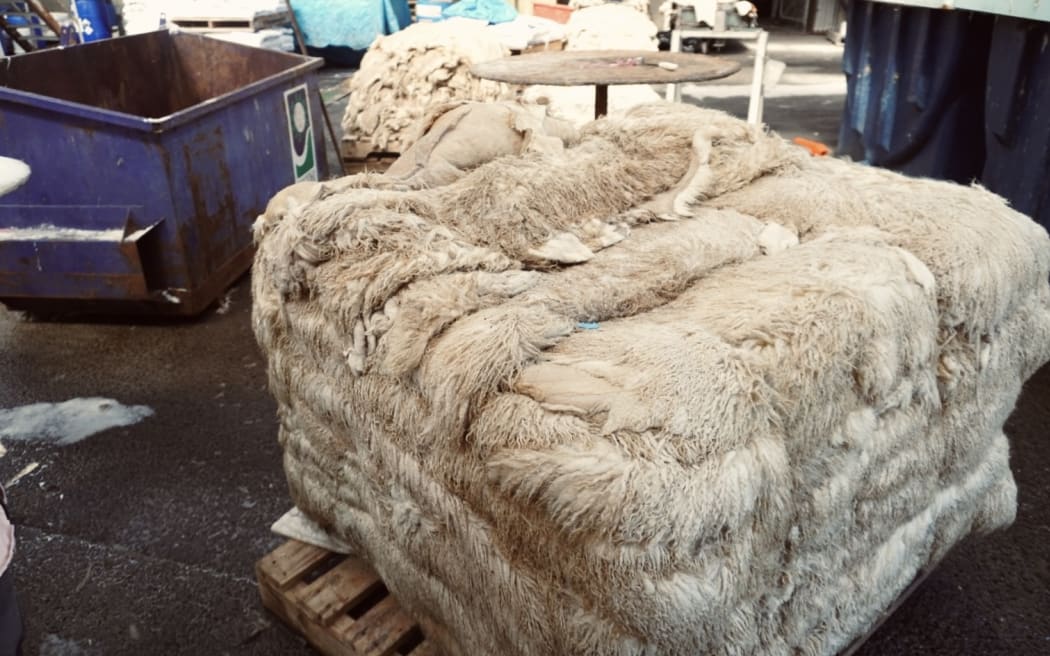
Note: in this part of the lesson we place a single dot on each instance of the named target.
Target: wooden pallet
(351, 150)
(556, 45)
(358, 158)
(229, 23)
(853, 647)
(375, 163)
(338, 603)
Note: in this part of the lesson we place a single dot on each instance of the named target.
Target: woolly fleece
(793, 400)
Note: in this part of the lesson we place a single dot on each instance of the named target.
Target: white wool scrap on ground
(674, 388)
(405, 73)
(67, 422)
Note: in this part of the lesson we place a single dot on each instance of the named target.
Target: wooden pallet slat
(376, 163)
(230, 23)
(290, 562)
(382, 629)
(338, 603)
(343, 587)
(424, 649)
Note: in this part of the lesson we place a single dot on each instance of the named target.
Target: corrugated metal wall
(953, 95)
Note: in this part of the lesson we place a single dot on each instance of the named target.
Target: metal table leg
(758, 81)
(674, 91)
(601, 100)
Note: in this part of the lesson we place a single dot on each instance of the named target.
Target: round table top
(575, 67)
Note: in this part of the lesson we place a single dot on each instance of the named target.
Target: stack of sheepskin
(674, 387)
(404, 74)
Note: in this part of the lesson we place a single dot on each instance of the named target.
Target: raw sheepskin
(406, 73)
(678, 388)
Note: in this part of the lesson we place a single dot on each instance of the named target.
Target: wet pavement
(142, 539)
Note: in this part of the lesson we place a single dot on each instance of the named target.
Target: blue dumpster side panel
(83, 163)
(224, 169)
(76, 251)
(207, 180)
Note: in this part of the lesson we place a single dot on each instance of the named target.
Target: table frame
(574, 71)
(758, 84)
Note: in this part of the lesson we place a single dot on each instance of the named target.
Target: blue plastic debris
(587, 325)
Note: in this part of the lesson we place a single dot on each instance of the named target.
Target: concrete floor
(141, 540)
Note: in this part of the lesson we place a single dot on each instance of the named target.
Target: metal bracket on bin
(72, 252)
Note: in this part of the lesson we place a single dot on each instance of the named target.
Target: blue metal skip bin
(152, 155)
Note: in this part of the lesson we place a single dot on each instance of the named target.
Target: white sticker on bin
(301, 133)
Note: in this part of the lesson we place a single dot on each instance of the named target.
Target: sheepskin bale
(678, 388)
(404, 74)
(458, 137)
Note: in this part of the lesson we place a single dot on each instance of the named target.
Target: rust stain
(209, 149)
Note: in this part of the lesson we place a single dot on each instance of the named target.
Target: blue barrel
(94, 20)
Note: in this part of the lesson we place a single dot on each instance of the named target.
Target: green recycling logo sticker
(301, 133)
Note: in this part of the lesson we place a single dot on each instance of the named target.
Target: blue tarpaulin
(350, 24)
(493, 11)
